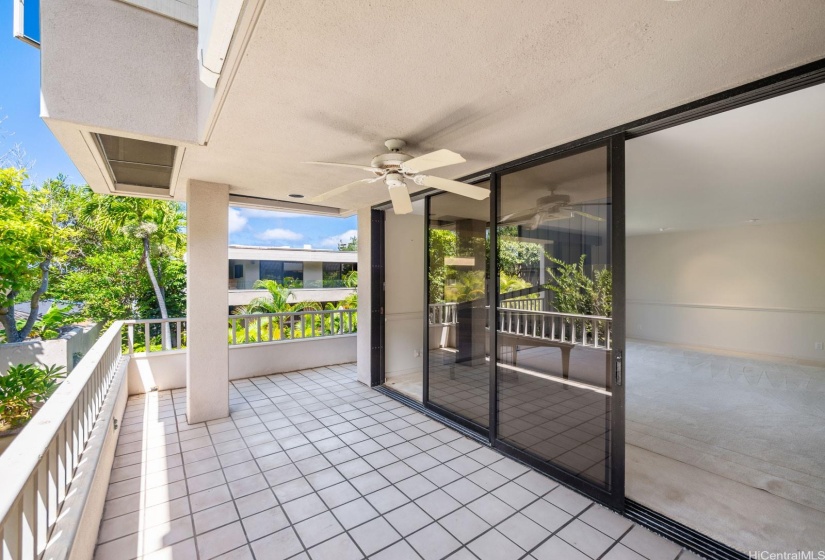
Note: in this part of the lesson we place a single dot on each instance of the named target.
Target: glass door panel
(458, 379)
(554, 340)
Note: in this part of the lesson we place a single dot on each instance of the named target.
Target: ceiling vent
(138, 163)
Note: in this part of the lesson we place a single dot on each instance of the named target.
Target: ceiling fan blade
(340, 190)
(439, 158)
(400, 196)
(586, 215)
(511, 219)
(352, 165)
(454, 187)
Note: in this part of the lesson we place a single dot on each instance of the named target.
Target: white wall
(207, 288)
(756, 288)
(185, 11)
(313, 274)
(59, 352)
(167, 370)
(116, 67)
(404, 294)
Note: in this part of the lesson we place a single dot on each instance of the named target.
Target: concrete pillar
(364, 340)
(207, 358)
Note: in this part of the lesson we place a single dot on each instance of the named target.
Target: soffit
(493, 81)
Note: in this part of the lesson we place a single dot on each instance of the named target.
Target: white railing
(525, 304)
(443, 313)
(169, 334)
(583, 330)
(274, 327)
(39, 465)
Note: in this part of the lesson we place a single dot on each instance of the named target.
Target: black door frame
(614, 495)
(779, 84)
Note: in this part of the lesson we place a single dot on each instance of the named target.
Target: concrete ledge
(75, 534)
(167, 370)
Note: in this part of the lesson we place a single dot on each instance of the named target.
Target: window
(334, 274)
(279, 270)
(27, 21)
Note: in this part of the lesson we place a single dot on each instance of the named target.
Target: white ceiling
(765, 161)
(493, 81)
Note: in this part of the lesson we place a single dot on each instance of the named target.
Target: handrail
(250, 328)
(280, 327)
(592, 331)
(167, 333)
(38, 467)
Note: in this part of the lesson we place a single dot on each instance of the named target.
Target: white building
(674, 149)
(318, 272)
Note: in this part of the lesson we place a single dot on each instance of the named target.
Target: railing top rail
(291, 313)
(21, 458)
(152, 321)
(556, 314)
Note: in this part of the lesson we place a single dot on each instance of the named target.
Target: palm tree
(276, 302)
(158, 224)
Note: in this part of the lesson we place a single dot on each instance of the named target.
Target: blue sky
(45, 158)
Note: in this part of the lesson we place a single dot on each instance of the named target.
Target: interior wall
(404, 294)
(756, 289)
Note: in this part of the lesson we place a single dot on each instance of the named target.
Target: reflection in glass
(553, 313)
(459, 375)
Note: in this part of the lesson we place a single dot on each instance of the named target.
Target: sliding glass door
(545, 382)
(458, 232)
(558, 397)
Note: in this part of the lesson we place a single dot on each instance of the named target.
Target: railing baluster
(147, 338)
(179, 334)
(11, 534)
(130, 330)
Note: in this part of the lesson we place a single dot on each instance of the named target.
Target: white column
(207, 285)
(364, 294)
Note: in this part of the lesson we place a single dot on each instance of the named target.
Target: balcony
(309, 462)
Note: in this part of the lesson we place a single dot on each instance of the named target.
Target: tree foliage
(351, 245)
(576, 292)
(277, 301)
(35, 236)
(516, 257)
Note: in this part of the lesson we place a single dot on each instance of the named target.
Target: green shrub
(23, 387)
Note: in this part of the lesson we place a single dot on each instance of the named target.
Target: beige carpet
(732, 446)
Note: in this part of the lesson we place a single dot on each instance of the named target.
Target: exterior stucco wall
(185, 11)
(313, 274)
(115, 67)
(167, 370)
(60, 352)
(207, 231)
(404, 294)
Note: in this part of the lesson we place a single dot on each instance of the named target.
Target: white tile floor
(313, 464)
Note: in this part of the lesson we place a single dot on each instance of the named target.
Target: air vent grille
(138, 162)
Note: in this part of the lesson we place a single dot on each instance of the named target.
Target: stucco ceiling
(491, 80)
(764, 161)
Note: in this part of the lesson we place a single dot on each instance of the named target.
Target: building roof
(247, 252)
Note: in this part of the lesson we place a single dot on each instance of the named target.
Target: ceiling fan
(547, 209)
(395, 167)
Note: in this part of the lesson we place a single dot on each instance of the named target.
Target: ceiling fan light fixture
(395, 167)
